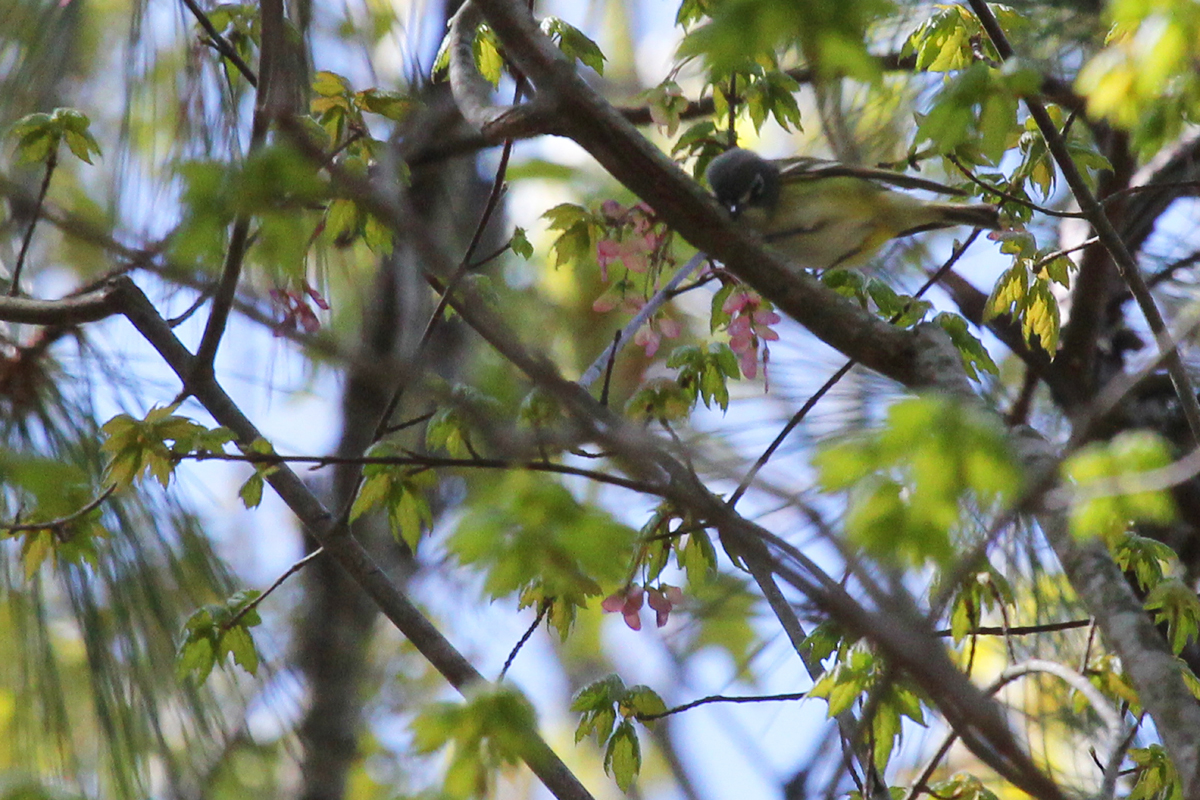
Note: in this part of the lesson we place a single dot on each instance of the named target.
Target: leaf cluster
(1102, 505)
(600, 705)
(39, 135)
(492, 727)
(858, 674)
(976, 594)
(704, 373)
(276, 184)
(401, 491)
(212, 633)
(339, 109)
(529, 534)
(1025, 290)
(155, 444)
(908, 480)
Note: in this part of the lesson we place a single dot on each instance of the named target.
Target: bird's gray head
(741, 179)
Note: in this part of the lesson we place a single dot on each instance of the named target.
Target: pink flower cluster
(295, 311)
(634, 238)
(749, 326)
(629, 602)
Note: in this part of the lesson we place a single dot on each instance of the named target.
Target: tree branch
(89, 307)
(265, 108)
(434, 462)
(1108, 235)
(223, 47)
(51, 162)
(691, 211)
(1155, 672)
(720, 698)
(336, 541)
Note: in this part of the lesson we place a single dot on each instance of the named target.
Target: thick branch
(1108, 235)
(337, 542)
(1154, 670)
(629, 157)
(90, 307)
(473, 93)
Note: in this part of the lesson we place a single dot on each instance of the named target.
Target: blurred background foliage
(90, 701)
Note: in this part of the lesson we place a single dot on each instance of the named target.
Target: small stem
(718, 698)
(608, 369)
(732, 109)
(51, 163)
(59, 524)
(432, 462)
(1010, 198)
(225, 48)
(652, 305)
(292, 570)
(542, 609)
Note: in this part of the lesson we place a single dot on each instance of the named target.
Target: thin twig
(428, 462)
(60, 523)
(225, 48)
(51, 162)
(409, 423)
(608, 369)
(490, 257)
(292, 570)
(543, 607)
(733, 110)
(355, 134)
(1020, 630)
(1007, 627)
(796, 419)
(628, 333)
(1046, 259)
(1150, 187)
(719, 698)
(196, 305)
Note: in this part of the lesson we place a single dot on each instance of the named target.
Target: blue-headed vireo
(822, 214)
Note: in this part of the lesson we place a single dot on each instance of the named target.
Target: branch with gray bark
(621, 150)
(921, 359)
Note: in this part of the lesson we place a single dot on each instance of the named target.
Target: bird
(823, 214)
